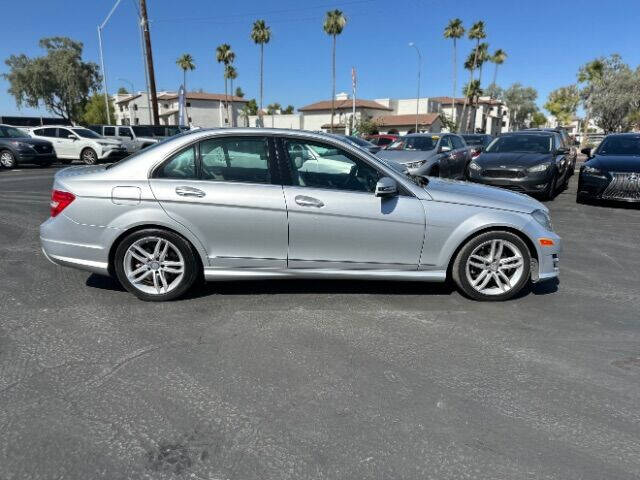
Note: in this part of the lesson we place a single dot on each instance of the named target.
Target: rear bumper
(65, 242)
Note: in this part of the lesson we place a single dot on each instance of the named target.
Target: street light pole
(104, 72)
(411, 44)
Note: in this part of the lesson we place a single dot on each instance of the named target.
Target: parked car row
(45, 145)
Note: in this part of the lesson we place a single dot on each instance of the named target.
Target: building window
(188, 104)
(137, 121)
(189, 119)
(135, 106)
(504, 124)
(166, 105)
(121, 109)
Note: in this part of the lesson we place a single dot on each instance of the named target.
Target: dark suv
(569, 143)
(17, 147)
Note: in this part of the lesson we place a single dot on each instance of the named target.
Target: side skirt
(261, 274)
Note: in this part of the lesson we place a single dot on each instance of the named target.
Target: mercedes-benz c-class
(232, 204)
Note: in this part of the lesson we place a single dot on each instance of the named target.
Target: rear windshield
(422, 143)
(143, 131)
(476, 139)
(521, 144)
(627, 145)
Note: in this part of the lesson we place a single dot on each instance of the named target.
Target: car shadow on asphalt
(301, 287)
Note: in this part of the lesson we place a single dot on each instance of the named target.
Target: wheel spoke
(510, 262)
(141, 277)
(143, 252)
(175, 271)
(163, 279)
(492, 253)
(498, 253)
(156, 283)
(136, 272)
(163, 253)
(480, 277)
(171, 263)
(156, 249)
(505, 279)
(479, 265)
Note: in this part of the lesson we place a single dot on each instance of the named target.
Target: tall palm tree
(469, 65)
(454, 30)
(230, 73)
(272, 109)
(590, 74)
(476, 33)
(334, 23)
(472, 91)
(482, 57)
(260, 34)
(185, 62)
(225, 55)
(498, 58)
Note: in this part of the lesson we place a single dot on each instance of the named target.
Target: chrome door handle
(304, 201)
(190, 192)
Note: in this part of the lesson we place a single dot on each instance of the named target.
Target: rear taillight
(60, 200)
(475, 154)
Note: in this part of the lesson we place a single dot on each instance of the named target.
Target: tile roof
(343, 105)
(201, 96)
(404, 120)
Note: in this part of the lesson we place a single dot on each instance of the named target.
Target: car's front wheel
(155, 265)
(7, 159)
(492, 266)
(89, 156)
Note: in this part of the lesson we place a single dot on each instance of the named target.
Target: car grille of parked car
(43, 148)
(500, 173)
(623, 186)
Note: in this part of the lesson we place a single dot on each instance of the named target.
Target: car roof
(530, 132)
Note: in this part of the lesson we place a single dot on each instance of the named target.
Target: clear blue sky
(546, 42)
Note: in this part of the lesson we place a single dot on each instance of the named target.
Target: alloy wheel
(7, 160)
(154, 265)
(494, 267)
(89, 157)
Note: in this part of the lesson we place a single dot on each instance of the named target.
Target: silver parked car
(232, 204)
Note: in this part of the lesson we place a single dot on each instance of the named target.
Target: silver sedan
(232, 204)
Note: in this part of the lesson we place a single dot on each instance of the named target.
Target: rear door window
(181, 165)
(235, 159)
(457, 142)
(109, 131)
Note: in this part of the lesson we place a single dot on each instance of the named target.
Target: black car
(17, 147)
(478, 142)
(612, 172)
(530, 162)
(569, 143)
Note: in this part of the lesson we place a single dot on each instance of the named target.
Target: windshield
(86, 133)
(146, 150)
(417, 143)
(142, 131)
(474, 139)
(521, 144)
(627, 145)
(12, 132)
(359, 141)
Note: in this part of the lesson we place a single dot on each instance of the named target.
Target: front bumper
(114, 154)
(516, 180)
(609, 186)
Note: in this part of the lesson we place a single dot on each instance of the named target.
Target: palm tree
(225, 55)
(472, 92)
(482, 57)
(272, 109)
(476, 33)
(454, 30)
(469, 65)
(261, 34)
(498, 58)
(334, 23)
(185, 62)
(590, 73)
(230, 73)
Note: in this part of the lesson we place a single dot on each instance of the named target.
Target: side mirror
(445, 148)
(586, 151)
(386, 187)
(73, 137)
(562, 151)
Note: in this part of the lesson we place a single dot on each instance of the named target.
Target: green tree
(476, 33)
(272, 109)
(472, 92)
(588, 76)
(365, 125)
(538, 119)
(261, 34)
(185, 62)
(122, 91)
(521, 102)
(334, 23)
(563, 103)
(454, 30)
(95, 111)
(289, 110)
(498, 58)
(225, 55)
(239, 93)
(60, 81)
(494, 92)
(249, 108)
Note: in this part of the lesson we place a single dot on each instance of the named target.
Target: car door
(50, 134)
(461, 156)
(446, 156)
(66, 144)
(336, 221)
(125, 135)
(226, 190)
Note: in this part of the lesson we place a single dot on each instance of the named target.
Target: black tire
(459, 272)
(550, 192)
(89, 156)
(435, 171)
(192, 269)
(7, 159)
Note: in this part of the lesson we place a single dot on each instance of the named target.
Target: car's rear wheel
(492, 266)
(7, 159)
(156, 265)
(550, 192)
(89, 156)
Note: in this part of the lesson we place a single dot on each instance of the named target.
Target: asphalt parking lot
(319, 379)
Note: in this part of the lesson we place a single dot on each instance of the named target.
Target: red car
(383, 139)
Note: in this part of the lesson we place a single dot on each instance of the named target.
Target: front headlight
(415, 164)
(592, 170)
(21, 145)
(543, 167)
(543, 219)
(475, 166)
